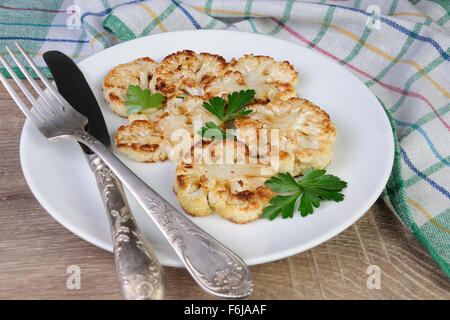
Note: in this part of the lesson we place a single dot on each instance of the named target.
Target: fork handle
(139, 274)
(214, 267)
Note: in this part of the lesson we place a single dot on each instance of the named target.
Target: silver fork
(214, 267)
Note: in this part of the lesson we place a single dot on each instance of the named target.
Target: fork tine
(31, 80)
(23, 107)
(44, 79)
(36, 105)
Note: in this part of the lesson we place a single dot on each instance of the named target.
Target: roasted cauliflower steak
(222, 178)
(270, 79)
(305, 134)
(186, 73)
(172, 129)
(180, 126)
(115, 85)
(141, 140)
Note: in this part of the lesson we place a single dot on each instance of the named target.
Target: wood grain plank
(35, 252)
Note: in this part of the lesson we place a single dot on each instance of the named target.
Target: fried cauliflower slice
(115, 85)
(229, 82)
(218, 181)
(270, 79)
(186, 73)
(165, 133)
(141, 141)
(306, 134)
(179, 127)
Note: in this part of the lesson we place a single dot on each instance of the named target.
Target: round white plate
(59, 177)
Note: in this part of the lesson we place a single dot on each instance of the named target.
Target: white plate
(60, 179)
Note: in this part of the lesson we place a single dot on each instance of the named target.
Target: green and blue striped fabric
(400, 49)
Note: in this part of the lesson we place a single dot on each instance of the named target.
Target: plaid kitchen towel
(400, 49)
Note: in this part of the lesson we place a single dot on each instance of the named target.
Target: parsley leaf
(216, 106)
(235, 109)
(236, 102)
(212, 130)
(283, 183)
(138, 99)
(314, 187)
(307, 201)
(281, 204)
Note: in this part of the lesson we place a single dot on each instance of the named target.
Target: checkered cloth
(398, 48)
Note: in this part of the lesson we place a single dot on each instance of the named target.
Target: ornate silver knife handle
(214, 267)
(139, 274)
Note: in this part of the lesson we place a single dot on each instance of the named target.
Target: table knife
(139, 274)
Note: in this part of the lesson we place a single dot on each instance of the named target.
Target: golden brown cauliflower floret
(115, 85)
(186, 73)
(141, 141)
(184, 119)
(229, 82)
(241, 199)
(271, 80)
(172, 128)
(220, 182)
(306, 133)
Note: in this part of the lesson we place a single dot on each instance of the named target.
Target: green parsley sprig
(235, 109)
(314, 187)
(212, 130)
(139, 99)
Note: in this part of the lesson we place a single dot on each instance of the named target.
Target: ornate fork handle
(213, 266)
(139, 274)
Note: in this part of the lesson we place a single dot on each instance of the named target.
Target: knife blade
(139, 274)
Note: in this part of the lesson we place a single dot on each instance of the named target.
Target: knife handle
(213, 266)
(139, 274)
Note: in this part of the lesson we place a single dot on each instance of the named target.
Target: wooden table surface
(35, 252)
